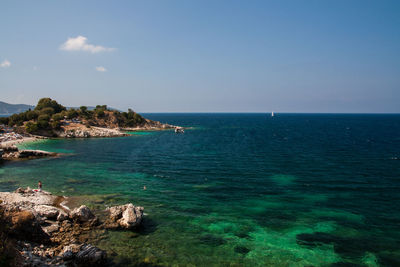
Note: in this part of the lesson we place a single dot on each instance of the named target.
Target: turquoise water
(239, 189)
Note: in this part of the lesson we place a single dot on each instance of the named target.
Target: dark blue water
(240, 189)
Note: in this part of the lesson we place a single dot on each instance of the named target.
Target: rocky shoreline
(81, 131)
(9, 150)
(41, 230)
(14, 153)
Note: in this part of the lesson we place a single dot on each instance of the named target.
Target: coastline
(24, 139)
(9, 149)
(42, 229)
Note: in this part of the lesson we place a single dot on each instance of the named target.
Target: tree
(83, 109)
(57, 117)
(17, 119)
(55, 124)
(138, 119)
(100, 113)
(43, 121)
(31, 127)
(103, 107)
(31, 115)
(48, 111)
(49, 103)
(4, 120)
(72, 113)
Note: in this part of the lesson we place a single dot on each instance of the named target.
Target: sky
(203, 56)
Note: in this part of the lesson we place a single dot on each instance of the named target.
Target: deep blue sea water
(239, 189)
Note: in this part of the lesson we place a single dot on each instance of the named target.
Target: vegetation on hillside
(48, 115)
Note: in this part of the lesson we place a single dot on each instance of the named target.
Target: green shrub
(48, 111)
(100, 113)
(4, 120)
(57, 117)
(43, 121)
(31, 127)
(31, 115)
(49, 103)
(55, 124)
(72, 113)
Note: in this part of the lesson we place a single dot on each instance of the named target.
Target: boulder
(49, 212)
(124, 216)
(69, 251)
(28, 190)
(82, 214)
(90, 256)
(24, 225)
(62, 216)
(51, 228)
(20, 190)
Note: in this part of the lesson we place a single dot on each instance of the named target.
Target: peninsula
(49, 119)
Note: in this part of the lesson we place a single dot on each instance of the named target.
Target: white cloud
(5, 64)
(35, 68)
(80, 44)
(101, 69)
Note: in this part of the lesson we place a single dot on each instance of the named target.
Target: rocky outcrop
(12, 153)
(24, 225)
(82, 214)
(70, 255)
(150, 125)
(81, 131)
(46, 211)
(49, 234)
(125, 216)
(89, 255)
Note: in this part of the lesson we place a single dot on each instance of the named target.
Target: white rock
(126, 216)
(82, 214)
(49, 212)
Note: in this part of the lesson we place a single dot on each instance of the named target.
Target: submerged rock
(90, 256)
(125, 216)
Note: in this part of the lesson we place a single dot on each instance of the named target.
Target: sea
(238, 189)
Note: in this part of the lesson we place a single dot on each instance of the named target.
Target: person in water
(40, 186)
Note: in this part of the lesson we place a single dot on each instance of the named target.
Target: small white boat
(179, 130)
(272, 114)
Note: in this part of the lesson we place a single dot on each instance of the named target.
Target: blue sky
(203, 56)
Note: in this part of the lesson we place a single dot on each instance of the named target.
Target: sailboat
(272, 114)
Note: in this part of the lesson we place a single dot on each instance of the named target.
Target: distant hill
(9, 109)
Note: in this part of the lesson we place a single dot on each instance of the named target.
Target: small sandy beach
(17, 141)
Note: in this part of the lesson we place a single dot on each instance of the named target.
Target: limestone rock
(62, 216)
(82, 214)
(49, 212)
(69, 251)
(51, 228)
(20, 190)
(23, 224)
(124, 216)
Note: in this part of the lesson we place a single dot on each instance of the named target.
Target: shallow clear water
(239, 189)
